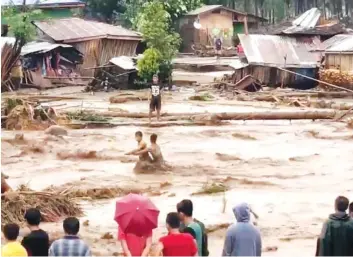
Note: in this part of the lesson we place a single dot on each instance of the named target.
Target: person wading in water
(156, 98)
(141, 145)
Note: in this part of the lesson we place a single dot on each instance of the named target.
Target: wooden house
(214, 20)
(98, 42)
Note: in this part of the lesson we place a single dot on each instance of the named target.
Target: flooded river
(289, 172)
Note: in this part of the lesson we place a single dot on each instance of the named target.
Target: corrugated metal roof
(40, 47)
(271, 50)
(209, 8)
(124, 62)
(306, 21)
(76, 30)
(41, 2)
(339, 43)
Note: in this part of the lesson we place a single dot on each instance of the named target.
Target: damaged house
(98, 42)
(268, 55)
(47, 63)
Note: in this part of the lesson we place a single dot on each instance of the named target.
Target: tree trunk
(280, 115)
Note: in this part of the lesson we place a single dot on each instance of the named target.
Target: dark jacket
(337, 236)
(204, 236)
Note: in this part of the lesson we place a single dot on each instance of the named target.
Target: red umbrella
(136, 214)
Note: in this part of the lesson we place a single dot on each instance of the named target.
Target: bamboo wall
(342, 62)
(99, 52)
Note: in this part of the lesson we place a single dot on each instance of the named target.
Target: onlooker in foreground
(37, 241)
(71, 244)
(336, 237)
(12, 247)
(242, 238)
(351, 210)
(176, 243)
(205, 251)
(134, 245)
(185, 209)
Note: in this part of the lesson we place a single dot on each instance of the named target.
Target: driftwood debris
(333, 76)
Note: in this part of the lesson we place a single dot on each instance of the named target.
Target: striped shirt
(69, 246)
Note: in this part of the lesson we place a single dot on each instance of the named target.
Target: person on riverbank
(183, 228)
(185, 211)
(37, 241)
(70, 244)
(141, 145)
(336, 237)
(133, 245)
(242, 238)
(12, 247)
(176, 243)
(155, 97)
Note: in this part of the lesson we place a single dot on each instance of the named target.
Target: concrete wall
(343, 62)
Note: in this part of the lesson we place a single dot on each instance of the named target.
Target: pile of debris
(228, 82)
(340, 78)
(21, 114)
(209, 51)
(52, 205)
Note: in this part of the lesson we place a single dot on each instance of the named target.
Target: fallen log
(278, 115)
(92, 125)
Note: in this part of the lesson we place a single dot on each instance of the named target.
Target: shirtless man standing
(156, 98)
(141, 145)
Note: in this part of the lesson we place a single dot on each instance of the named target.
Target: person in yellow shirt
(12, 247)
(17, 75)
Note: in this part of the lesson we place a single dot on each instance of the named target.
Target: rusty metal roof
(339, 43)
(41, 47)
(278, 51)
(306, 21)
(71, 30)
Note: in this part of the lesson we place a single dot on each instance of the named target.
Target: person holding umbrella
(136, 216)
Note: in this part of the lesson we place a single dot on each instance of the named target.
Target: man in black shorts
(156, 98)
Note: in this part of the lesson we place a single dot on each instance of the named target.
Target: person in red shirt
(134, 245)
(176, 243)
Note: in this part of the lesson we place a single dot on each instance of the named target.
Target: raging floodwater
(289, 172)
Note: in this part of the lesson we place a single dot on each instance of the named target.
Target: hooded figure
(242, 238)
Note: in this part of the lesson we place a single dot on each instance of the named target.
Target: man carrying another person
(154, 151)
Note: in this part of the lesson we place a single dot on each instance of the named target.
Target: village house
(338, 52)
(51, 9)
(214, 20)
(287, 53)
(98, 42)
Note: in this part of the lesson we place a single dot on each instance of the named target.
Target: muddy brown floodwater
(284, 170)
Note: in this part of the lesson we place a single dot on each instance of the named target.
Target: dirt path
(288, 174)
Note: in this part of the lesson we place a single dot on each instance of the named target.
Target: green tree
(149, 64)
(154, 23)
(20, 22)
